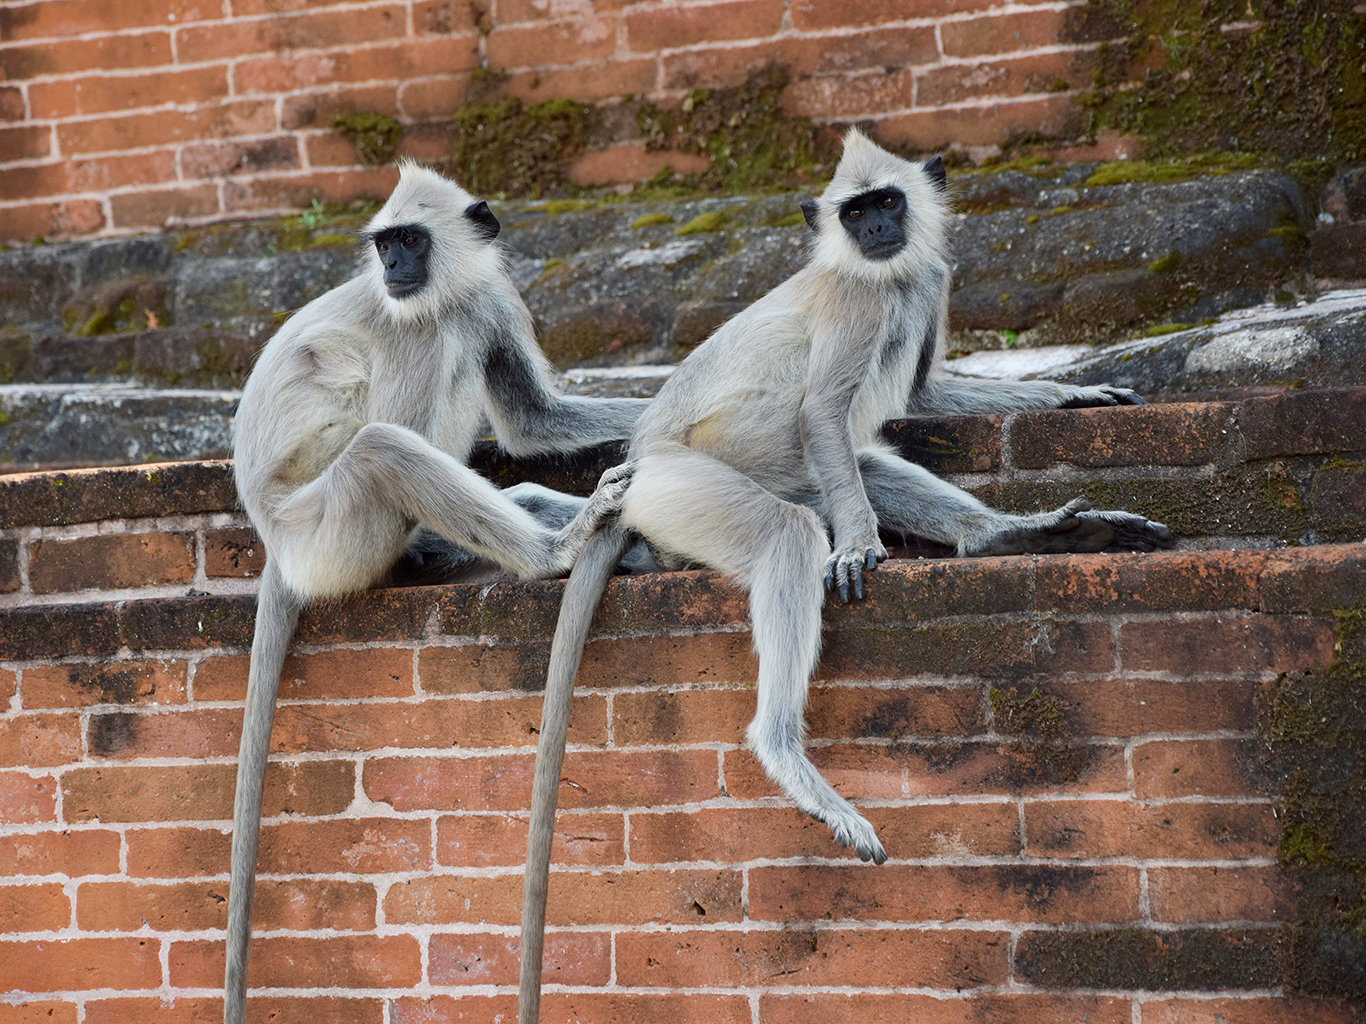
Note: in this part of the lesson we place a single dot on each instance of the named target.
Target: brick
(682, 717)
(1020, 76)
(73, 852)
(40, 741)
(260, 1010)
(36, 1012)
(455, 899)
(235, 552)
(36, 180)
(599, 80)
(482, 668)
(45, 21)
(1211, 768)
(1217, 895)
(1308, 423)
(864, 95)
(116, 492)
(921, 590)
(1178, 435)
(1027, 893)
(30, 632)
(432, 98)
(63, 219)
(99, 94)
(353, 846)
(556, 42)
(34, 908)
(669, 660)
(161, 207)
(177, 852)
(77, 56)
(814, 15)
(26, 142)
(1191, 959)
(802, 56)
(201, 792)
(111, 561)
(164, 127)
(196, 733)
(983, 125)
(499, 840)
(325, 675)
(270, 192)
(9, 566)
(1134, 707)
(856, 712)
(1005, 33)
(140, 683)
(1158, 581)
(411, 58)
(1248, 1010)
(221, 159)
(1249, 643)
(665, 27)
(331, 150)
(298, 904)
(25, 799)
(955, 444)
(184, 623)
(929, 959)
(79, 964)
(483, 959)
(243, 37)
(1105, 828)
(350, 961)
(317, 109)
(696, 1008)
(867, 1008)
(1314, 579)
(588, 779)
(631, 161)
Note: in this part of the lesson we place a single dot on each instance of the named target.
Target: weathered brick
(260, 1010)
(240, 37)
(588, 779)
(597, 80)
(104, 16)
(856, 712)
(355, 846)
(331, 150)
(1034, 893)
(1212, 768)
(482, 668)
(146, 682)
(116, 492)
(868, 1008)
(299, 904)
(1159, 581)
(1249, 1010)
(350, 961)
(196, 733)
(183, 623)
(40, 741)
(669, 660)
(176, 852)
(1215, 895)
(76, 56)
(325, 675)
(1133, 707)
(94, 94)
(77, 964)
(483, 959)
(9, 684)
(813, 15)
(554, 42)
(986, 125)
(201, 792)
(69, 217)
(72, 852)
(1112, 828)
(711, 67)
(1001, 34)
(34, 908)
(1132, 959)
(665, 27)
(1247, 643)
(917, 959)
(30, 632)
(456, 899)
(218, 159)
(1304, 423)
(389, 614)
(11, 103)
(138, 130)
(682, 717)
(33, 1011)
(235, 551)
(111, 561)
(157, 208)
(1177, 435)
(920, 590)
(696, 1008)
(26, 799)
(677, 600)
(26, 142)
(1019, 76)
(1314, 579)
(844, 96)
(410, 58)
(318, 109)
(488, 840)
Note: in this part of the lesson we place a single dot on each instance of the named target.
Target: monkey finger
(1123, 396)
(856, 571)
(871, 558)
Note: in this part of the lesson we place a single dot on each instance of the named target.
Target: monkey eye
(887, 202)
(855, 214)
(383, 247)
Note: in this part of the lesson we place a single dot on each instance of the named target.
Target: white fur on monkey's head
(867, 167)
(462, 256)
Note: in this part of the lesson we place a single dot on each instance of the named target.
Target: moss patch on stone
(375, 136)
(646, 220)
(1313, 724)
(711, 220)
(507, 149)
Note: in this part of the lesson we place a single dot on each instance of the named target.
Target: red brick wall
(120, 116)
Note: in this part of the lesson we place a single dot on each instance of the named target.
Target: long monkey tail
(277, 615)
(582, 593)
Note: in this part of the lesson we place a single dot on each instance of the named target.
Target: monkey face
(403, 251)
(875, 221)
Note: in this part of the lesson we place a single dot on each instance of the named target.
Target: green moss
(375, 136)
(1038, 713)
(332, 238)
(1122, 172)
(712, 220)
(510, 149)
(1157, 330)
(1033, 218)
(646, 220)
(555, 207)
(1058, 211)
(792, 220)
(1164, 264)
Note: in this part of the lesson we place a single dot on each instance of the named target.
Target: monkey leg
(909, 499)
(691, 505)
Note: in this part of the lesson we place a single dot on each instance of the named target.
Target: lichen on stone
(508, 149)
(375, 136)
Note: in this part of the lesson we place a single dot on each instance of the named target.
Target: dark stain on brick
(110, 687)
(1191, 959)
(1039, 883)
(111, 734)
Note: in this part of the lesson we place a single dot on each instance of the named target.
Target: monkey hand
(844, 568)
(1073, 528)
(1102, 394)
(611, 489)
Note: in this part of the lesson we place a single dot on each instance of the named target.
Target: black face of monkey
(403, 251)
(874, 221)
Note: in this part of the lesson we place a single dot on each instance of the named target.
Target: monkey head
(881, 216)
(430, 242)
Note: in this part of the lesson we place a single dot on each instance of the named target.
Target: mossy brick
(111, 561)
(1329, 421)
(1223, 646)
(31, 632)
(123, 492)
(1033, 893)
(187, 623)
(384, 615)
(966, 444)
(9, 565)
(484, 668)
(920, 590)
(1314, 580)
(520, 610)
(1248, 1009)
(1337, 500)
(458, 611)
(657, 602)
(1164, 435)
(1161, 581)
(1186, 959)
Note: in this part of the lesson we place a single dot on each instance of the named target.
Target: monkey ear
(484, 221)
(938, 176)
(810, 208)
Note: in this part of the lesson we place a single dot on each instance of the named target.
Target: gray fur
(764, 444)
(356, 426)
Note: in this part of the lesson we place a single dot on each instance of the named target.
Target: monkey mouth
(401, 289)
(883, 250)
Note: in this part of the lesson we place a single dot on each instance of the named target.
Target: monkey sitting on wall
(356, 425)
(765, 442)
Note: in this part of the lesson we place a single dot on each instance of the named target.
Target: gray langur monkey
(356, 426)
(765, 442)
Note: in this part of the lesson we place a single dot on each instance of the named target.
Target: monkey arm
(944, 395)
